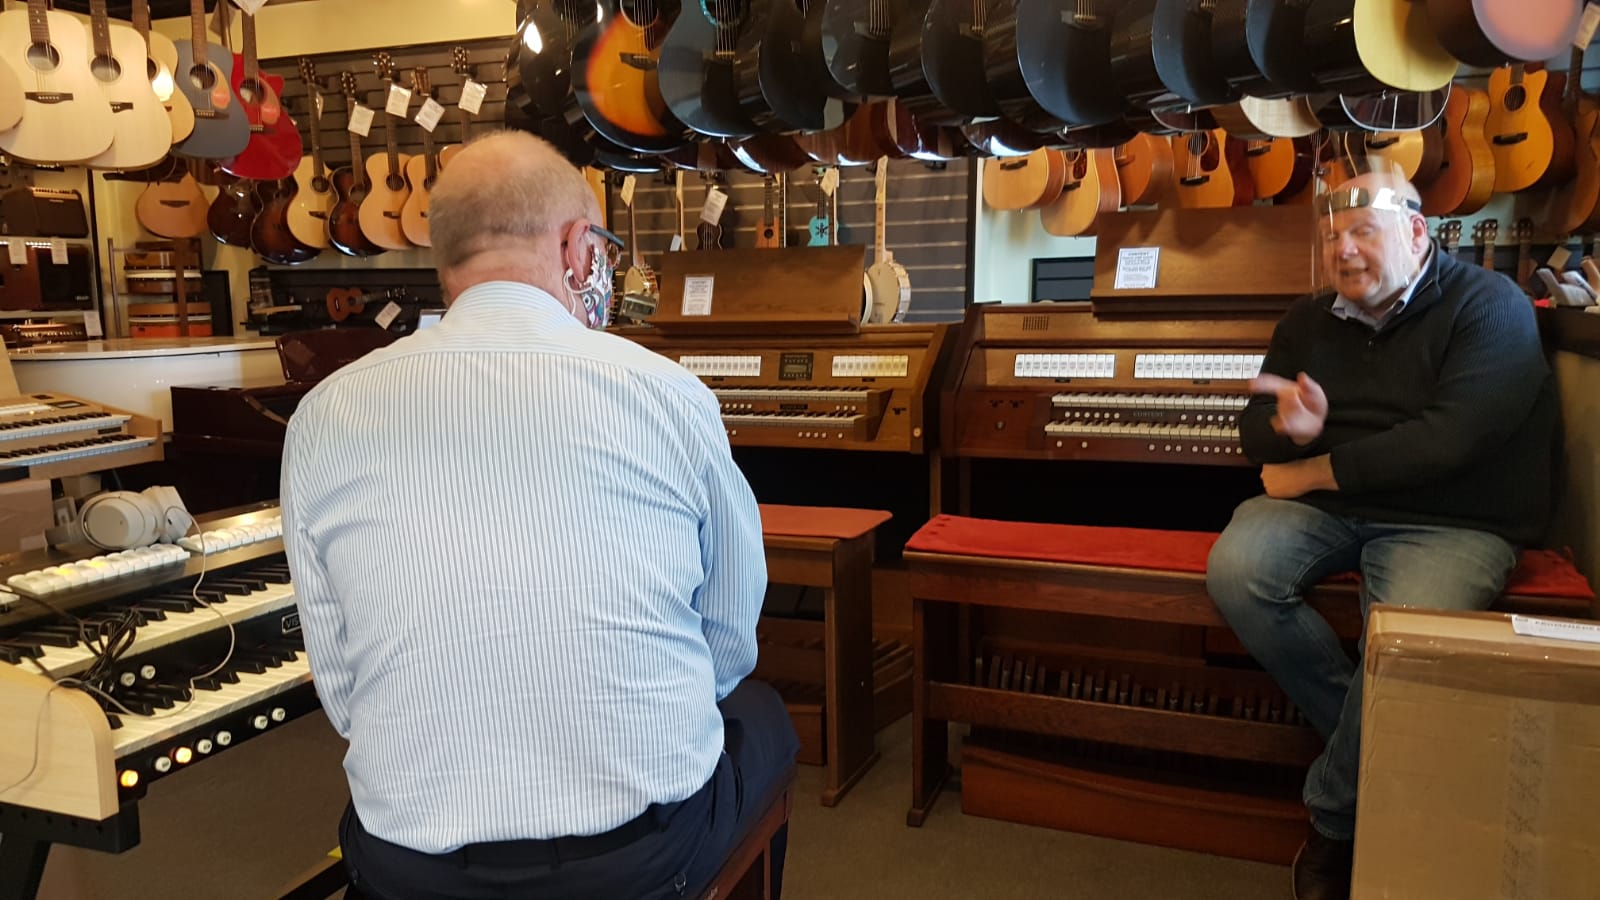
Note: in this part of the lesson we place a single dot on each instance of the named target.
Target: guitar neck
(100, 28)
(251, 68)
(141, 20)
(197, 32)
(633, 237)
(39, 22)
(880, 198)
(356, 168)
(391, 146)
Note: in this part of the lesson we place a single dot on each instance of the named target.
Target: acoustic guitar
(890, 283)
(1366, 46)
(1465, 179)
(936, 63)
(10, 97)
(173, 206)
(1091, 190)
(696, 71)
(1495, 32)
(143, 128)
(421, 172)
(1256, 119)
(65, 116)
(1579, 208)
(767, 154)
(1144, 169)
(855, 44)
(1184, 56)
(270, 235)
(1003, 70)
(233, 211)
(781, 80)
(1231, 52)
(463, 69)
(1024, 182)
(1204, 177)
(1064, 50)
(161, 60)
(1279, 167)
(1133, 68)
(274, 147)
(614, 75)
(313, 195)
(350, 186)
(205, 74)
(820, 229)
(379, 214)
(1521, 134)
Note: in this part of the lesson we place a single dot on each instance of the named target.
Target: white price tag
(399, 101)
(472, 94)
(430, 114)
(1531, 626)
(677, 244)
(1558, 258)
(830, 181)
(1587, 26)
(360, 120)
(716, 201)
(628, 185)
(1136, 268)
(91, 324)
(58, 251)
(697, 294)
(250, 6)
(17, 251)
(387, 314)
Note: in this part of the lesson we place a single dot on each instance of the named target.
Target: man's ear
(575, 248)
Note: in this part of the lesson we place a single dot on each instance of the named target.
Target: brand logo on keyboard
(290, 623)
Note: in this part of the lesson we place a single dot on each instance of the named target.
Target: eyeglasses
(613, 244)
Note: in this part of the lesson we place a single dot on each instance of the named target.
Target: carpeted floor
(247, 822)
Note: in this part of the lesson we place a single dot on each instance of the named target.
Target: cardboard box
(1480, 768)
(24, 514)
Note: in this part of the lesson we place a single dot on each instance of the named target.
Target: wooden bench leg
(848, 712)
(933, 643)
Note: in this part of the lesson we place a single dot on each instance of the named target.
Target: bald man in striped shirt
(529, 574)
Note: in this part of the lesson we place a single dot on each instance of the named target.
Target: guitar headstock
(308, 71)
(419, 82)
(459, 63)
(1522, 231)
(1450, 235)
(385, 64)
(1486, 232)
(347, 86)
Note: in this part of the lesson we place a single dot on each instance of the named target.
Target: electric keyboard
(48, 435)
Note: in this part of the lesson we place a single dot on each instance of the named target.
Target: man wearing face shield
(529, 575)
(1403, 420)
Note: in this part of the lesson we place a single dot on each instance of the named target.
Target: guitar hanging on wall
(351, 186)
(421, 170)
(387, 194)
(313, 197)
(205, 74)
(274, 147)
(65, 117)
(142, 127)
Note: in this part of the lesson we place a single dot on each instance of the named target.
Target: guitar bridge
(48, 98)
(642, 63)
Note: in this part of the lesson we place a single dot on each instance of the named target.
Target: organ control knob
(279, 714)
(260, 723)
(224, 738)
(147, 672)
(162, 764)
(127, 679)
(203, 746)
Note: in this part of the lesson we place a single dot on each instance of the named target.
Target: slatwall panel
(926, 217)
(486, 57)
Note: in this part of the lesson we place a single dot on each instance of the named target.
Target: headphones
(121, 520)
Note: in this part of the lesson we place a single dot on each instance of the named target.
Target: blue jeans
(1258, 573)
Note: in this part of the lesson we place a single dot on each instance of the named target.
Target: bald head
(501, 211)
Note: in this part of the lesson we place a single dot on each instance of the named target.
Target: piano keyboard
(70, 450)
(50, 580)
(806, 426)
(211, 703)
(16, 429)
(1114, 401)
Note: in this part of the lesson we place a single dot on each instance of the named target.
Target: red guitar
(274, 150)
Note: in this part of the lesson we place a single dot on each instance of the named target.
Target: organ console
(49, 435)
(119, 670)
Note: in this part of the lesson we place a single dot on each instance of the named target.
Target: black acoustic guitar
(782, 81)
(1275, 34)
(696, 71)
(1003, 69)
(936, 63)
(1183, 52)
(855, 43)
(1133, 63)
(1064, 50)
(1230, 51)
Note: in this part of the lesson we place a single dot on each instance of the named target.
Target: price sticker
(58, 251)
(430, 114)
(17, 252)
(91, 324)
(677, 244)
(1558, 258)
(250, 6)
(399, 101)
(472, 94)
(628, 185)
(716, 202)
(1587, 26)
(387, 315)
(360, 120)
(830, 181)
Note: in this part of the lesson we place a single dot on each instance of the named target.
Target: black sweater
(1443, 416)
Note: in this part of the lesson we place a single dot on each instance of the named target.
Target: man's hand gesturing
(1302, 406)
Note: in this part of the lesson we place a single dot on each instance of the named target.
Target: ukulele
(820, 228)
(770, 230)
(421, 171)
(380, 211)
(173, 206)
(1024, 182)
(1465, 179)
(343, 302)
(708, 235)
(614, 75)
(161, 59)
(1091, 190)
(143, 130)
(890, 282)
(274, 148)
(204, 74)
(65, 117)
(313, 195)
(350, 186)
(1485, 233)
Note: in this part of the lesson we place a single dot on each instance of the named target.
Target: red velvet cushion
(820, 521)
(1540, 573)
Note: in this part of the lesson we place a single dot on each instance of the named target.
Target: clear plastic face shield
(1367, 236)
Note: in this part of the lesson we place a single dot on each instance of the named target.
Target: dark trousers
(676, 855)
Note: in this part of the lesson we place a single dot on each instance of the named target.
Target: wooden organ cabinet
(1118, 413)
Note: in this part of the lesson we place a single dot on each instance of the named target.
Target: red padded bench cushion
(1540, 573)
(838, 523)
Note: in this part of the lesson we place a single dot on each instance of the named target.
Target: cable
(38, 739)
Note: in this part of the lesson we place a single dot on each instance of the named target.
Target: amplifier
(40, 284)
(42, 212)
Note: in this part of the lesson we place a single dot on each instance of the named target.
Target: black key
(54, 636)
(155, 698)
(245, 583)
(269, 660)
(209, 683)
(114, 720)
(212, 594)
(136, 706)
(170, 604)
(253, 666)
(152, 613)
(11, 655)
(175, 691)
(24, 649)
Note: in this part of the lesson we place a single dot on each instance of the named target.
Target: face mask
(594, 295)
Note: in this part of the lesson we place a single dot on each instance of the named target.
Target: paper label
(697, 294)
(472, 94)
(360, 120)
(17, 252)
(1530, 626)
(676, 245)
(830, 181)
(1136, 268)
(399, 101)
(628, 185)
(387, 314)
(250, 6)
(430, 113)
(1587, 26)
(91, 324)
(716, 201)
(1558, 258)
(58, 251)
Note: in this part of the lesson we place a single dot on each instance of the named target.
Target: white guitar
(161, 60)
(10, 96)
(143, 128)
(65, 116)
(890, 282)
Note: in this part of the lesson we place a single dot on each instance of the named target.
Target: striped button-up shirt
(527, 570)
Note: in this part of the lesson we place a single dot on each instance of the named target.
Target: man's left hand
(1293, 479)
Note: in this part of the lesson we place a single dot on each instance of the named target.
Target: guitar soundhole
(43, 58)
(320, 184)
(151, 68)
(105, 68)
(202, 77)
(1516, 95)
(249, 91)
(394, 182)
